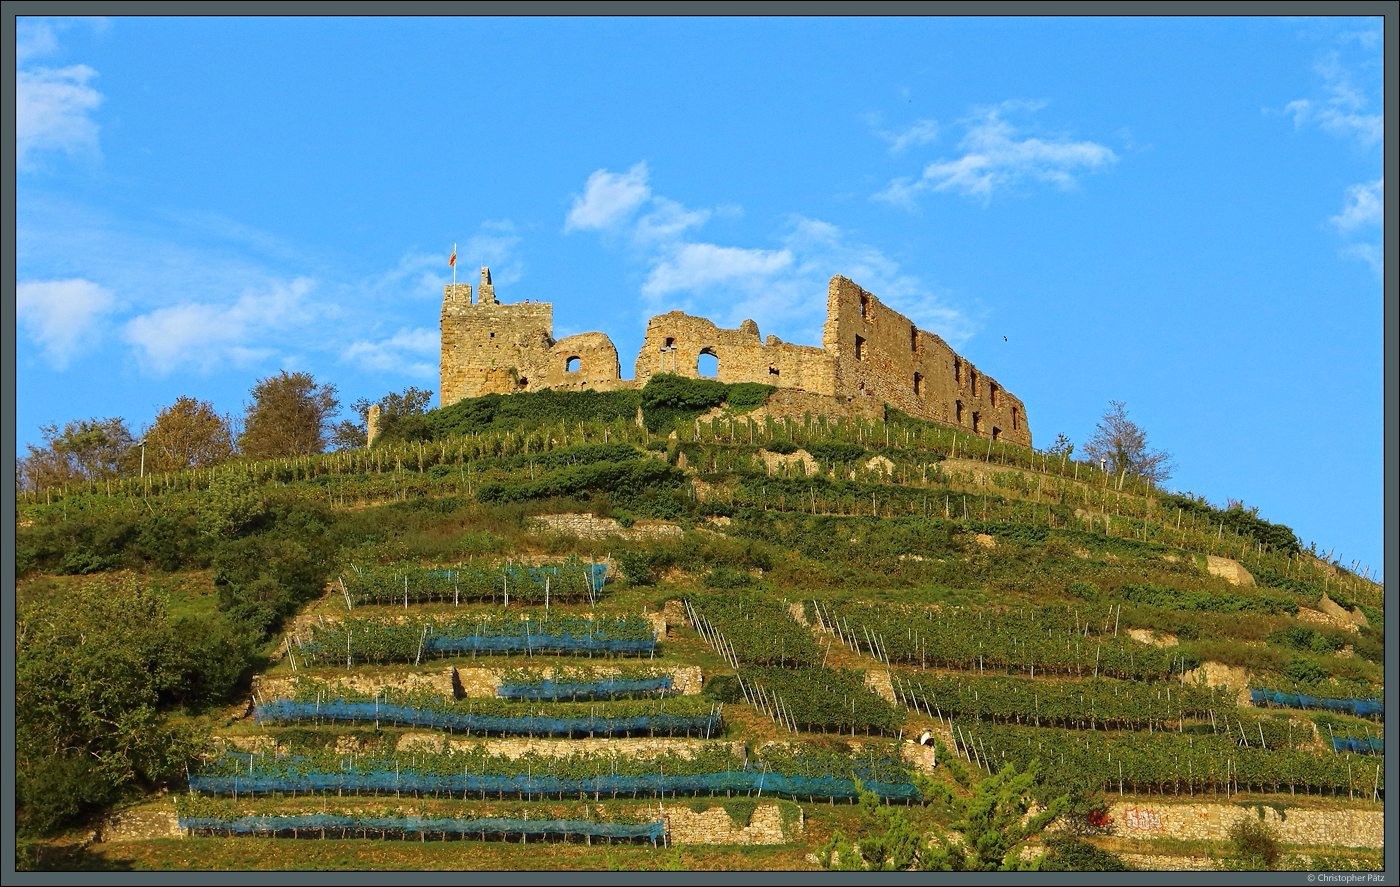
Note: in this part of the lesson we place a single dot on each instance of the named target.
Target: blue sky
(1183, 214)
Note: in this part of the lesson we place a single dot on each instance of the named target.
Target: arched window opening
(976, 423)
(860, 348)
(918, 385)
(996, 433)
(572, 365)
(707, 365)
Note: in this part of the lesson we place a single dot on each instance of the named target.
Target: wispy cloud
(921, 132)
(609, 199)
(997, 157)
(63, 316)
(781, 285)
(1364, 206)
(53, 105)
(206, 335)
(409, 351)
(1348, 89)
(1342, 111)
(695, 266)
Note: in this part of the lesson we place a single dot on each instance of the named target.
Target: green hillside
(389, 651)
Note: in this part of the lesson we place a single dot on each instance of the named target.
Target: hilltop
(668, 627)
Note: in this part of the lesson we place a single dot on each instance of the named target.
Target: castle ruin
(870, 356)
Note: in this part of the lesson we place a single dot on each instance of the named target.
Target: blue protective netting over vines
(534, 725)
(1359, 746)
(547, 689)
(758, 781)
(652, 831)
(1360, 707)
(564, 641)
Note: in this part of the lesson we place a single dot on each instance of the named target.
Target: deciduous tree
(1122, 444)
(188, 434)
(289, 416)
(351, 434)
(89, 449)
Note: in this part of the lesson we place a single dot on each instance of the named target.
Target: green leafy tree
(1061, 448)
(91, 667)
(989, 826)
(289, 416)
(351, 434)
(89, 449)
(188, 434)
(1122, 445)
(1256, 845)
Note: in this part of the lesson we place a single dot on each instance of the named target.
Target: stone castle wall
(871, 355)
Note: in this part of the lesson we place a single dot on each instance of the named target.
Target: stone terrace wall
(1211, 822)
(714, 826)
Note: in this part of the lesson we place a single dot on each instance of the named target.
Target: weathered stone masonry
(870, 355)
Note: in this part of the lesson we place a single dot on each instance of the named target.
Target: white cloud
(694, 266)
(1365, 204)
(1370, 253)
(1342, 111)
(668, 221)
(207, 335)
(609, 199)
(62, 315)
(996, 158)
(782, 288)
(494, 248)
(52, 108)
(919, 133)
(411, 351)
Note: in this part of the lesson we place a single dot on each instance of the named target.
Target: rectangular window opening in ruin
(957, 407)
(996, 433)
(913, 338)
(918, 385)
(860, 348)
(992, 392)
(957, 370)
(976, 423)
(773, 371)
(972, 380)
(670, 342)
(865, 306)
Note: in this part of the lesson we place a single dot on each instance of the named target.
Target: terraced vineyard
(422, 659)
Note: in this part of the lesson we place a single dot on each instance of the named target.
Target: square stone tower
(488, 346)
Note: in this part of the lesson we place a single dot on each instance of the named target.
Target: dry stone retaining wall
(714, 826)
(1211, 822)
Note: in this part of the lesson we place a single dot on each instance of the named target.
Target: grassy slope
(861, 532)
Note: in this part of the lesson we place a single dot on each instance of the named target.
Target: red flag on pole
(452, 261)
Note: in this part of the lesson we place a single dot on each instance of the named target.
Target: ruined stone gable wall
(595, 365)
(675, 341)
(880, 354)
